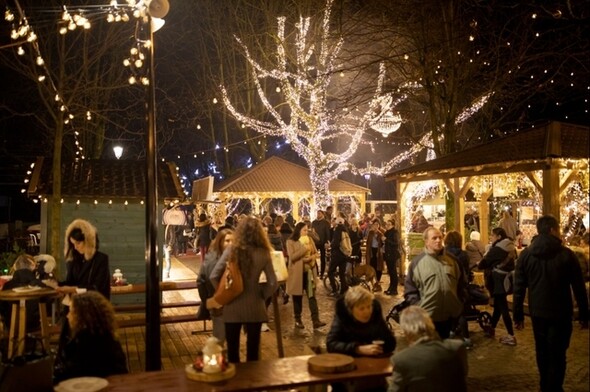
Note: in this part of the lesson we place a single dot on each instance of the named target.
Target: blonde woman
(302, 278)
(429, 363)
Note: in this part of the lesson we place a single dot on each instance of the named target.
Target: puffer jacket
(551, 272)
(501, 251)
(435, 283)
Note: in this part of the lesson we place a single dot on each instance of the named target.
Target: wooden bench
(139, 319)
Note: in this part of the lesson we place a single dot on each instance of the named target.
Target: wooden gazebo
(551, 156)
(277, 178)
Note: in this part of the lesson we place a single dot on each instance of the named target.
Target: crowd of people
(435, 290)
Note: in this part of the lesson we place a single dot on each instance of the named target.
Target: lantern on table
(211, 363)
(213, 356)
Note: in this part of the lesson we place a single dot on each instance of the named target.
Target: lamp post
(153, 353)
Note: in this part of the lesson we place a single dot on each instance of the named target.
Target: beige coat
(296, 251)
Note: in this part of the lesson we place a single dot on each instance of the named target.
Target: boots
(298, 323)
(315, 313)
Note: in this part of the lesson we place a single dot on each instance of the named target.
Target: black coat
(89, 355)
(92, 275)
(551, 272)
(347, 333)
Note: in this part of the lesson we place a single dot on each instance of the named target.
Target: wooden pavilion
(550, 156)
(277, 178)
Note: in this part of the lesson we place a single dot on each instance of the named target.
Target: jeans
(232, 336)
(552, 339)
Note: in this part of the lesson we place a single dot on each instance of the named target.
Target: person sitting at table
(92, 348)
(429, 363)
(23, 276)
(358, 329)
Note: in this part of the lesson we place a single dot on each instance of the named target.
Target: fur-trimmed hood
(90, 240)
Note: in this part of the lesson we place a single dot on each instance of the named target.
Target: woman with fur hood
(86, 267)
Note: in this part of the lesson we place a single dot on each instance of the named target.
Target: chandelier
(387, 123)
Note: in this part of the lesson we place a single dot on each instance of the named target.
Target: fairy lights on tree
(304, 81)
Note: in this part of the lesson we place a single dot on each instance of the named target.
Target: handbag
(230, 286)
(345, 246)
(30, 372)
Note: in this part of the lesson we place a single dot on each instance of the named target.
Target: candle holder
(211, 364)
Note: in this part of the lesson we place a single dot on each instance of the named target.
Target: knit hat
(339, 221)
(475, 236)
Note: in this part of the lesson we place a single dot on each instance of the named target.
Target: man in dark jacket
(550, 271)
(322, 228)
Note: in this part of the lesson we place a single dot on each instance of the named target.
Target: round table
(18, 317)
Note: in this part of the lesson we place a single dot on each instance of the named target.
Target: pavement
(492, 365)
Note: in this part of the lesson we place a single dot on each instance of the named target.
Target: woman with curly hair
(92, 348)
(251, 250)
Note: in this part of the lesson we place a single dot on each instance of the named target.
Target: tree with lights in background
(304, 74)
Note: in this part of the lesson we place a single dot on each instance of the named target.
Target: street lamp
(118, 150)
(156, 9)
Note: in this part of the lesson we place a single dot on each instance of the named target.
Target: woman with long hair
(302, 274)
(251, 250)
(205, 287)
(92, 347)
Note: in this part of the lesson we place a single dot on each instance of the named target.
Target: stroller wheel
(484, 319)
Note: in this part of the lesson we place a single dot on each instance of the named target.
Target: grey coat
(248, 307)
(432, 365)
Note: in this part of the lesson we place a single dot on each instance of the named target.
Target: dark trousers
(232, 336)
(391, 262)
(501, 309)
(322, 249)
(444, 328)
(552, 339)
(298, 308)
(340, 264)
(373, 263)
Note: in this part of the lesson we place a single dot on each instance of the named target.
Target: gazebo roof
(521, 151)
(104, 178)
(277, 175)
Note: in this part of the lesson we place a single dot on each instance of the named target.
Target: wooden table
(18, 317)
(282, 373)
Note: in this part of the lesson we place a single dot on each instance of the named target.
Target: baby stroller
(477, 295)
(395, 312)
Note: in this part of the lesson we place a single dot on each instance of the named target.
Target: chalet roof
(521, 151)
(104, 178)
(279, 175)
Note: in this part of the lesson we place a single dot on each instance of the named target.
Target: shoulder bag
(231, 284)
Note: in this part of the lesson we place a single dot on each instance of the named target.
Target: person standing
(550, 272)
(322, 228)
(374, 252)
(302, 274)
(509, 224)
(392, 255)
(222, 241)
(435, 283)
(429, 363)
(496, 263)
(341, 250)
(251, 250)
(205, 234)
(475, 249)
